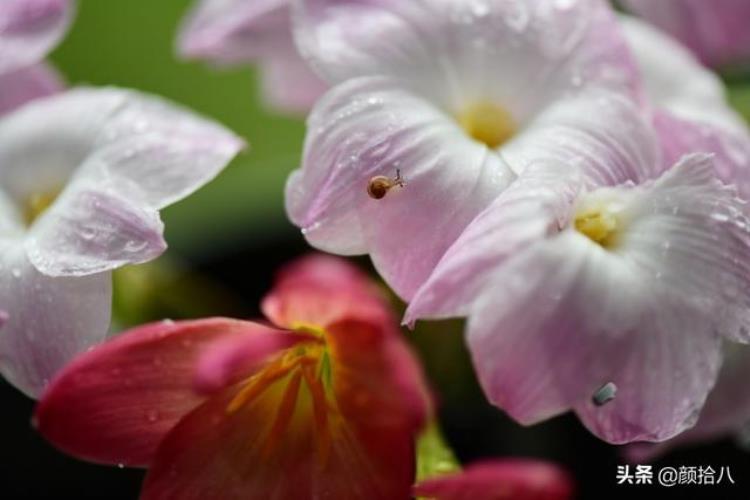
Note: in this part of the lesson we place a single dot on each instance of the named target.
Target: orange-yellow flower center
(487, 123)
(301, 375)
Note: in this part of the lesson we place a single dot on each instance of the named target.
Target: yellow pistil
(36, 204)
(598, 224)
(487, 123)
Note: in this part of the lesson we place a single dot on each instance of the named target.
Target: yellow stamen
(36, 204)
(488, 123)
(285, 413)
(598, 224)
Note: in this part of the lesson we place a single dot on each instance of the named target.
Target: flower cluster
(569, 180)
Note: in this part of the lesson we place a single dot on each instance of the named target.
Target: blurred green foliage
(131, 44)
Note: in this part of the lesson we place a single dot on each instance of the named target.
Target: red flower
(325, 404)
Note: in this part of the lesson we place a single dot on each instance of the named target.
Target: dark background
(233, 235)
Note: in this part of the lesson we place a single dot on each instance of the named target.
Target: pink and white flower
(230, 32)
(29, 29)
(569, 288)
(84, 175)
(451, 101)
(715, 30)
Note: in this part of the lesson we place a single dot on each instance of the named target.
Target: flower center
(300, 375)
(597, 222)
(488, 123)
(36, 204)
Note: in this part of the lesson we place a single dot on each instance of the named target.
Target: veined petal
(519, 479)
(598, 132)
(730, 148)
(29, 29)
(715, 31)
(218, 453)
(232, 31)
(23, 85)
(131, 390)
(440, 42)
(50, 320)
(318, 290)
(372, 127)
(138, 152)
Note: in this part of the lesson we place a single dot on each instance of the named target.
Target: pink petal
(673, 80)
(49, 320)
(232, 31)
(29, 29)
(517, 479)
(731, 149)
(115, 403)
(288, 83)
(715, 31)
(726, 412)
(232, 359)
(23, 85)
(318, 290)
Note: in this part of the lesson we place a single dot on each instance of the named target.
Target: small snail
(379, 185)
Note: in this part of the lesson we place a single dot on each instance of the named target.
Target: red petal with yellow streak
(115, 403)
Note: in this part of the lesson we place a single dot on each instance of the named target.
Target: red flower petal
(234, 358)
(515, 479)
(115, 403)
(318, 290)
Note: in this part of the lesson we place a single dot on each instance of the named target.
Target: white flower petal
(92, 229)
(49, 319)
